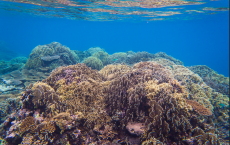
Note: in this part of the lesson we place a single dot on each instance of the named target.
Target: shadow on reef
(142, 104)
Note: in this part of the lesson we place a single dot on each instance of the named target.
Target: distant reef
(62, 96)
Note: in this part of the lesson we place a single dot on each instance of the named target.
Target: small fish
(115, 59)
(222, 105)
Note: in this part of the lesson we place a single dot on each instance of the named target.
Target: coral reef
(200, 92)
(143, 104)
(130, 58)
(199, 108)
(216, 81)
(165, 56)
(51, 56)
(93, 50)
(82, 54)
(16, 81)
(93, 62)
(8, 103)
(102, 56)
(12, 65)
(119, 57)
(138, 57)
(112, 71)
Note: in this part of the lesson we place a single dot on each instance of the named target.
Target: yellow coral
(27, 124)
(199, 108)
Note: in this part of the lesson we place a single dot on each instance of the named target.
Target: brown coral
(27, 124)
(139, 104)
(199, 108)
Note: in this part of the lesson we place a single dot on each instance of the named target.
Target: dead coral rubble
(118, 105)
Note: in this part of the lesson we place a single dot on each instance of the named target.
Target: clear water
(196, 32)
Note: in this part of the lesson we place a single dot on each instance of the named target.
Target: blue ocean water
(48, 97)
(201, 38)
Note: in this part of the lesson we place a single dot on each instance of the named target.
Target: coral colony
(91, 97)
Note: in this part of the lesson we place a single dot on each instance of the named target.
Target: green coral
(93, 50)
(102, 56)
(19, 60)
(67, 57)
(164, 55)
(82, 54)
(216, 81)
(93, 62)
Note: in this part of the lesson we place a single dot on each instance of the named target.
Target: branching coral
(216, 81)
(112, 71)
(199, 108)
(138, 57)
(79, 105)
(165, 56)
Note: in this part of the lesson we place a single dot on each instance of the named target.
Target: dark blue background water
(195, 42)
